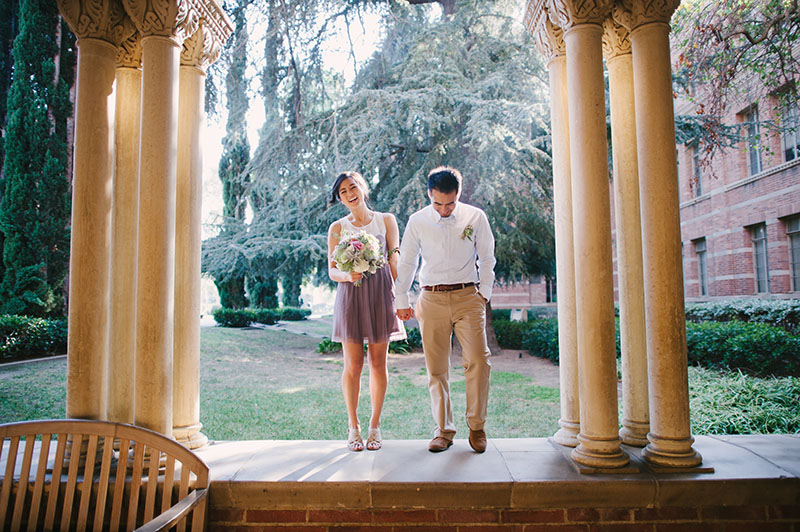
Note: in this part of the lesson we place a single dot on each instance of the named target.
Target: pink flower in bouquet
(357, 245)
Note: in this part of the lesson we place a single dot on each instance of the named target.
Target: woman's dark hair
(356, 177)
(444, 179)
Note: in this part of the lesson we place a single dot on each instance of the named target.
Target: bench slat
(38, 488)
(72, 479)
(102, 489)
(55, 482)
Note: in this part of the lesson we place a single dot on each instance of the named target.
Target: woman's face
(350, 194)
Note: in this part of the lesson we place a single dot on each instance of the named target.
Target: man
(456, 275)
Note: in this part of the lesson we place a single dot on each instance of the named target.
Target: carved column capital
(217, 26)
(549, 38)
(634, 13)
(174, 19)
(97, 19)
(616, 39)
(569, 13)
(201, 49)
(129, 53)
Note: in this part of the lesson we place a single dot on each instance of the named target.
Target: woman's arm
(392, 241)
(337, 275)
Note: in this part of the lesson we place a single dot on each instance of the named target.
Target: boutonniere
(467, 233)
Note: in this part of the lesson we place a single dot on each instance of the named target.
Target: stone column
(599, 442)
(163, 25)
(124, 231)
(550, 43)
(635, 419)
(198, 51)
(670, 431)
(87, 345)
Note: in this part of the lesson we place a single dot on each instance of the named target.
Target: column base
(567, 435)
(634, 433)
(670, 452)
(600, 454)
(190, 436)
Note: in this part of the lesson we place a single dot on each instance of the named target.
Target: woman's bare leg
(378, 380)
(351, 379)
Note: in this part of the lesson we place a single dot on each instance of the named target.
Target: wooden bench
(97, 475)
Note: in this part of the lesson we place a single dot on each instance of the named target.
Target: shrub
(783, 313)
(401, 347)
(294, 313)
(541, 339)
(267, 316)
(501, 314)
(755, 348)
(24, 336)
(328, 346)
(414, 337)
(229, 317)
(724, 402)
(509, 333)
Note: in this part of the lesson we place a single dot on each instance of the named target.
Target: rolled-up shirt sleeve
(484, 247)
(406, 265)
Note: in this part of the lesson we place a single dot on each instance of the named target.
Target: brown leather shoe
(439, 444)
(477, 440)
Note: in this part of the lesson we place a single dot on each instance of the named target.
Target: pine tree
(35, 207)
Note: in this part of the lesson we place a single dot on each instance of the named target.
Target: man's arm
(406, 268)
(484, 246)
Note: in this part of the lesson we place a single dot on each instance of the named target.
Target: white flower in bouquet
(358, 252)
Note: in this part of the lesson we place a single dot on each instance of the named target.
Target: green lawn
(269, 384)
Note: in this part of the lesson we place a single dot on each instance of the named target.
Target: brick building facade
(740, 217)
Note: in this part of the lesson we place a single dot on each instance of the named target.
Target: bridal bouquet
(358, 252)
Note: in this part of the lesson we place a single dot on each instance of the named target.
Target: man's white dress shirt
(450, 255)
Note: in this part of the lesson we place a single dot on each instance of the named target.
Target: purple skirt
(366, 313)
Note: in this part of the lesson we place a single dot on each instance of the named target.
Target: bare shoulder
(335, 227)
(388, 217)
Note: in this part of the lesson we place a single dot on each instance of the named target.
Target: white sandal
(374, 441)
(354, 441)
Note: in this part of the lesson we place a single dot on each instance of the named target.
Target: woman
(365, 312)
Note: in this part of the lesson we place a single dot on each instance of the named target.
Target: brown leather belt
(447, 287)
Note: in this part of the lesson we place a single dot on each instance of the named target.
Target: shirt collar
(450, 219)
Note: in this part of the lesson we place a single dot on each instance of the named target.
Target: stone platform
(518, 484)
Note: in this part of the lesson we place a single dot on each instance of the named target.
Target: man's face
(443, 203)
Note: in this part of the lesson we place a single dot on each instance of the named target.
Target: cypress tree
(35, 207)
(8, 31)
(235, 155)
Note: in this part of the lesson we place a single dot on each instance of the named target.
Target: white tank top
(374, 227)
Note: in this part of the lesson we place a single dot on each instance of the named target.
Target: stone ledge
(530, 473)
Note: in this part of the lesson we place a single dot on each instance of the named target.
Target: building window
(697, 175)
(793, 232)
(791, 132)
(702, 265)
(759, 234)
(752, 139)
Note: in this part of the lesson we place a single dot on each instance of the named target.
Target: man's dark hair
(444, 179)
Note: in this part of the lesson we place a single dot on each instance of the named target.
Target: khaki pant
(439, 315)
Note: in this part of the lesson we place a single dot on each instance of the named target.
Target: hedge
(227, 317)
(21, 336)
(783, 313)
(755, 348)
(293, 313)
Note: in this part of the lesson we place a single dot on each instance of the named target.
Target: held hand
(405, 314)
(356, 276)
